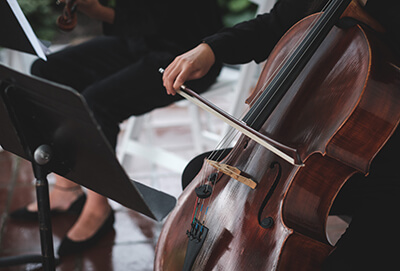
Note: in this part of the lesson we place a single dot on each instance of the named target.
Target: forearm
(247, 41)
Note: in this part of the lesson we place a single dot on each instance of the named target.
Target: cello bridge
(233, 172)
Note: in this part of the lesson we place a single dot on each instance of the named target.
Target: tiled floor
(131, 246)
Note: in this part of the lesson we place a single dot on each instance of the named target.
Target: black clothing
(370, 241)
(180, 22)
(255, 39)
(118, 73)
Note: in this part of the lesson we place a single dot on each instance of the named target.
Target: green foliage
(111, 3)
(42, 16)
(235, 11)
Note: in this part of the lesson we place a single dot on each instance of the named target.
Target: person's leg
(370, 241)
(63, 194)
(96, 220)
(81, 65)
(135, 90)
(111, 100)
(78, 67)
(95, 211)
(65, 197)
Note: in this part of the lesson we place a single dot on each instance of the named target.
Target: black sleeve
(255, 39)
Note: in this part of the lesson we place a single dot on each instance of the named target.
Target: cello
(335, 101)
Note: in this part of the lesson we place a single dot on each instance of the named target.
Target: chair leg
(195, 126)
(133, 128)
(130, 145)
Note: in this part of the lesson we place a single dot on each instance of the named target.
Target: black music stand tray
(51, 126)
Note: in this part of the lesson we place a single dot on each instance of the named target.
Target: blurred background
(42, 15)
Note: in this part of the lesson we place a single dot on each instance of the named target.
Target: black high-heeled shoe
(68, 246)
(23, 214)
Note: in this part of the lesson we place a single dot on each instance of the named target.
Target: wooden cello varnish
(338, 113)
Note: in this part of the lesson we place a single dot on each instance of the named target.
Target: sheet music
(39, 48)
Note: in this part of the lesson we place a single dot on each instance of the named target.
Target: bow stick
(287, 153)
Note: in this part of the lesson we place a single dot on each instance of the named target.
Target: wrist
(208, 52)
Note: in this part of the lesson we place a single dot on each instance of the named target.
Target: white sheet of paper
(39, 48)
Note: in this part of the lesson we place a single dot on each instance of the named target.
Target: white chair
(233, 83)
(16, 60)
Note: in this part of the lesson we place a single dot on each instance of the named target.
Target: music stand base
(42, 156)
(23, 259)
(19, 260)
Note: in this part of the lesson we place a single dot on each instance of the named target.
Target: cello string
(291, 51)
(265, 103)
(232, 132)
(207, 250)
(212, 157)
(223, 144)
(194, 209)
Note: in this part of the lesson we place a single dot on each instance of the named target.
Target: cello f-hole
(267, 222)
(246, 143)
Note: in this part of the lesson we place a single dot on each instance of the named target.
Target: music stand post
(51, 126)
(42, 156)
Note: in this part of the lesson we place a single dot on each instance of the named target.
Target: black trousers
(373, 202)
(118, 77)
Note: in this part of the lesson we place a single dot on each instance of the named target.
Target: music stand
(51, 126)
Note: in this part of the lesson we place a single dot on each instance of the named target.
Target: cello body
(338, 114)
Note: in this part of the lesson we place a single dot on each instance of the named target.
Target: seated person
(118, 76)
